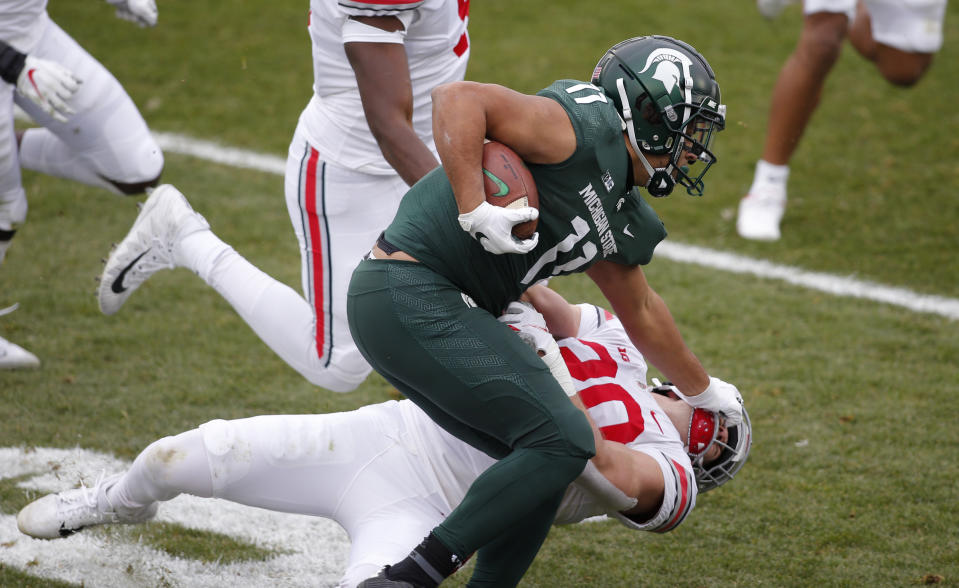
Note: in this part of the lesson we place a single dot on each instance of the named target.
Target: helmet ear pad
(652, 133)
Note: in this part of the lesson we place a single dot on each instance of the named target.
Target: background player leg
(795, 97)
(106, 143)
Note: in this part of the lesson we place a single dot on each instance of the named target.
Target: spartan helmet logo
(668, 74)
(672, 70)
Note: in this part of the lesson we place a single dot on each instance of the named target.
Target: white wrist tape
(704, 398)
(554, 361)
(609, 495)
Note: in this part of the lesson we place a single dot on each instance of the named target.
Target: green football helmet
(669, 101)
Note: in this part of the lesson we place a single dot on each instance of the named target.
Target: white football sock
(277, 314)
(167, 468)
(770, 178)
(199, 252)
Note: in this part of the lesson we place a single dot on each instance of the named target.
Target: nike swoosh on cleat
(117, 285)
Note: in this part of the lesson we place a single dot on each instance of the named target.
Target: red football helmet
(734, 452)
(703, 430)
(703, 433)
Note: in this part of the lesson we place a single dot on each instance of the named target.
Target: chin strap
(661, 181)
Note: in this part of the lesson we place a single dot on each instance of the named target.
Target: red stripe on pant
(316, 251)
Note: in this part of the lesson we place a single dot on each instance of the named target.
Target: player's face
(686, 157)
(714, 450)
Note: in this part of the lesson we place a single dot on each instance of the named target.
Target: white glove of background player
(142, 12)
(718, 397)
(49, 85)
(493, 226)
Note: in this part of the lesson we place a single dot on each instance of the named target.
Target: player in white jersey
(900, 37)
(90, 132)
(363, 139)
(337, 465)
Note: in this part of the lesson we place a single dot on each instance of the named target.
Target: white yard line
(309, 551)
(828, 283)
(218, 153)
(681, 252)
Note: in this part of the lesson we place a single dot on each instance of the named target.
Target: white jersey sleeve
(609, 374)
(679, 498)
(437, 50)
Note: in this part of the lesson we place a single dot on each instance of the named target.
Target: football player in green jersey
(423, 307)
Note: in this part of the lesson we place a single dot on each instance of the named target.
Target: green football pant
(475, 378)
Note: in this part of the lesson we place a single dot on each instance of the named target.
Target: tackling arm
(624, 480)
(562, 318)
(649, 324)
(621, 479)
(383, 78)
(652, 329)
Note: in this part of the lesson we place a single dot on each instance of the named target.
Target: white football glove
(49, 85)
(529, 324)
(142, 12)
(718, 397)
(493, 226)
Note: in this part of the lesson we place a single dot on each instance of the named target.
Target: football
(509, 183)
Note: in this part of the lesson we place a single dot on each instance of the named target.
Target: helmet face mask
(669, 101)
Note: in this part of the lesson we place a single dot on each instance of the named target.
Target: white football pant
(107, 138)
(354, 468)
(913, 26)
(336, 214)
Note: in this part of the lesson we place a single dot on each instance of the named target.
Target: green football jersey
(588, 211)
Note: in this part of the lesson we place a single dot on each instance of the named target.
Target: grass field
(853, 479)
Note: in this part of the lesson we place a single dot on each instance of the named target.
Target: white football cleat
(771, 9)
(65, 513)
(13, 356)
(166, 217)
(760, 214)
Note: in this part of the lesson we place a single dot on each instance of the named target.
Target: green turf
(853, 478)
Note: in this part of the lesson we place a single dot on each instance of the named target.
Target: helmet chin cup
(660, 184)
